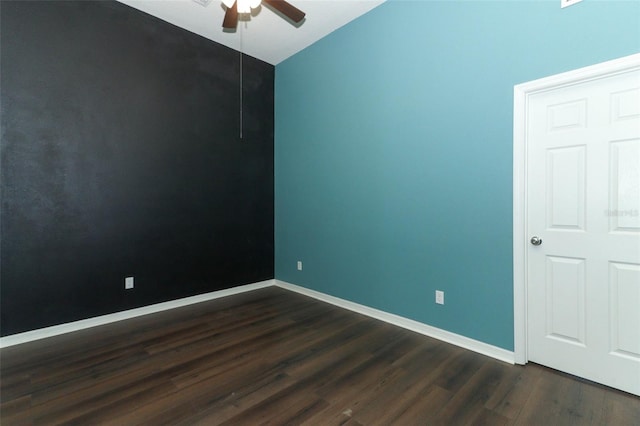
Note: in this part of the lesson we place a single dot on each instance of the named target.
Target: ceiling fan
(234, 7)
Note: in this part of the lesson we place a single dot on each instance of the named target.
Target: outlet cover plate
(128, 283)
(440, 297)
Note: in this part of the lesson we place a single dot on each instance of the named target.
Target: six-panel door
(583, 201)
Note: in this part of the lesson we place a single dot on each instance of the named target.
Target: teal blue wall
(394, 151)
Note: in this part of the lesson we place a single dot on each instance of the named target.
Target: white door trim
(520, 238)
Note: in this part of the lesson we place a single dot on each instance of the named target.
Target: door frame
(521, 94)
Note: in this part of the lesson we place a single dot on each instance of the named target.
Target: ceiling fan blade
(287, 9)
(231, 17)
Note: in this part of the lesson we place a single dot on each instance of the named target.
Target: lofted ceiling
(266, 35)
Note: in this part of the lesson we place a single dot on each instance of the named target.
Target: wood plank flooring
(276, 357)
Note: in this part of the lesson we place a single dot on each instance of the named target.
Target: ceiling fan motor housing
(244, 6)
(235, 7)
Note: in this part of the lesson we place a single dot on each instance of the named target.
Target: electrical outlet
(440, 297)
(128, 283)
(299, 265)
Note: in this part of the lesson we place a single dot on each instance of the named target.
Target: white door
(583, 203)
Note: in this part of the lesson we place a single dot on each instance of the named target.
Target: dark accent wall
(121, 156)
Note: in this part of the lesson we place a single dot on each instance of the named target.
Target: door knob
(536, 241)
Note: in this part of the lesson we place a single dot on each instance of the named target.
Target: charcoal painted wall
(121, 156)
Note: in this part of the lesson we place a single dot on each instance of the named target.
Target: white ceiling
(266, 36)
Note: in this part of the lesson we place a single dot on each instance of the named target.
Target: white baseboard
(427, 330)
(55, 330)
(418, 327)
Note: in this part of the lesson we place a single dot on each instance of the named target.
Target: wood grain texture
(276, 357)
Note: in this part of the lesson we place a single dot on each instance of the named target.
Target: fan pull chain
(241, 75)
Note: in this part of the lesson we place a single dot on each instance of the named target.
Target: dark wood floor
(272, 356)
